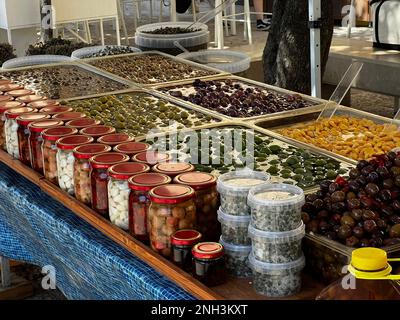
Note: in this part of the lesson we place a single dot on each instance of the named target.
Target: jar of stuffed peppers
(207, 202)
(82, 154)
(69, 115)
(4, 106)
(36, 141)
(151, 157)
(97, 131)
(11, 129)
(19, 93)
(30, 98)
(53, 110)
(49, 149)
(82, 123)
(139, 201)
(99, 179)
(43, 104)
(118, 191)
(172, 169)
(115, 139)
(172, 208)
(23, 134)
(182, 242)
(131, 148)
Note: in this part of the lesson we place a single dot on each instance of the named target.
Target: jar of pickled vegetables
(65, 160)
(182, 242)
(36, 141)
(30, 98)
(68, 116)
(4, 106)
(172, 208)
(139, 201)
(11, 128)
(49, 150)
(19, 93)
(173, 169)
(151, 157)
(23, 134)
(131, 148)
(53, 110)
(43, 104)
(99, 179)
(115, 139)
(7, 87)
(82, 123)
(82, 154)
(97, 131)
(118, 191)
(207, 202)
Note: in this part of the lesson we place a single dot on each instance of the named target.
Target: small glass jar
(68, 116)
(151, 157)
(209, 263)
(172, 169)
(43, 104)
(99, 179)
(182, 242)
(49, 150)
(139, 201)
(97, 131)
(82, 154)
(23, 134)
(82, 123)
(172, 208)
(118, 191)
(19, 93)
(7, 87)
(207, 202)
(4, 106)
(115, 139)
(36, 141)
(53, 110)
(131, 148)
(30, 98)
(11, 129)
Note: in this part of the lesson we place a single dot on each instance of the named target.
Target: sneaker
(262, 26)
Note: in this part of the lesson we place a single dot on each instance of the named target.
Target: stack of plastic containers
(276, 231)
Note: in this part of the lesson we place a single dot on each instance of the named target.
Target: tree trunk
(287, 52)
(46, 15)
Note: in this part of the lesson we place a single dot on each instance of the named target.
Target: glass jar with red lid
(43, 104)
(82, 154)
(66, 159)
(118, 191)
(172, 208)
(19, 93)
(207, 202)
(99, 178)
(11, 129)
(49, 149)
(97, 131)
(82, 123)
(151, 157)
(23, 134)
(131, 148)
(53, 110)
(4, 106)
(4, 81)
(139, 201)
(115, 139)
(69, 115)
(182, 242)
(173, 169)
(4, 97)
(209, 263)
(30, 98)
(10, 87)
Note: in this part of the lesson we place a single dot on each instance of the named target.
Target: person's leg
(182, 5)
(259, 7)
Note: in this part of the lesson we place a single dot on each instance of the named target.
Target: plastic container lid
(16, 112)
(71, 142)
(245, 250)
(4, 81)
(20, 93)
(272, 268)
(147, 181)
(185, 237)
(224, 60)
(41, 125)
(278, 237)
(5, 105)
(106, 160)
(238, 220)
(5, 98)
(131, 148)
(123, 171)
(43, 104)
(53, 134)
(369, 259)
(97, 131)
(87, 52)
(10, 87)
(82, 123)
(223, 185)
(116, 138)
(87, 151)
(208, 250)
(171, 194)
(56, 109)
(67, 116)
(26, 119)
(31, 98)
(173, 169)
(151, 157)
(34, 60)
(197, 180)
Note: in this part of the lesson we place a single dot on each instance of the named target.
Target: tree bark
(286, 55)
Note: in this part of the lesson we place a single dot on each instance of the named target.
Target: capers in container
(115, 139)
(151, 157)
(97, 131)
(236, 259)
(131, 148)
(234, 228)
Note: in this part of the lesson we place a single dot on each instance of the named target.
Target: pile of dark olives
(171, 30)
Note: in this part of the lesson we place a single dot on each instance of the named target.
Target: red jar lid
(5, 98)
(106, 160)
(123, 171)
(26, 119)
(185, 237)
(16, 112)
(208, 250)
(5, 105)
(131, 148)
(197, 180)
(20, 93)
(172, 169)
(151, 157)
(4, 81)
(171, 194)
(41, 125)
(87, 151)
(31, 98)
(53, 134)
(56, 109)
(82, 123)
(147, 181)
(43, 104)
(115, 138)
(71, 142)
(97, 131)
(67, 116)
(10, 87)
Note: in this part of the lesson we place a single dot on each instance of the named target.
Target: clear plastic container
(115, 139)
(276, 207)
(131, 148)
(97, 131)
(101, 51)
(173, 169)
(49, 149)
(19, 93)
(236, 259)
(82, 154)
(82, 123)
(234, 228)
(182, 242)
(276, 279)
(43, 104)
(234, 188)
(53, 110)
(66, 159)
(4, 106)
(151, 157)
(34, 60)
(30, 98)
(118, 191)
(277, 247)
(69, 115)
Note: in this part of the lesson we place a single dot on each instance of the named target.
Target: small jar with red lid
(7, 87)
(172, 169)
(36, 143)
(49, 149)
(82, 154)
(19, 93)
(99, 178)
(66, 159)
(54, 110)
(209, 263)
(40, 104)
(69, 115)
(82, 123)
(4, 81)
(4, 97)
(11, 129)
(182, 242)
(131, 148)
(97, 131)
(151, 157)
(139, 201)
(30, 98)
(23, 134)
(4, 106)
(118, 191)
(207, 202)
(172, 208)
(115, 139)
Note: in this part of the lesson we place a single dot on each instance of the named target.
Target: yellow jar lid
(369, 259)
